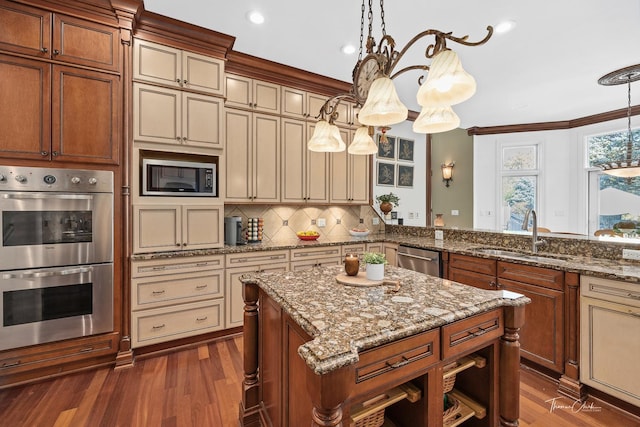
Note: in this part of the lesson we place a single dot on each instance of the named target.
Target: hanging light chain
(383, 25)
(361, 31)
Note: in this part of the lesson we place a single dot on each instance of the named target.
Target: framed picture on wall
(405, 149)
(387, 150)
(405, 176)
(386, 174)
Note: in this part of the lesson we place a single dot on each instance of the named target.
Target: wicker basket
(372, 420)
(449, 381)
(450, 414)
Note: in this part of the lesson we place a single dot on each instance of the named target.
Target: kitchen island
(320, 353)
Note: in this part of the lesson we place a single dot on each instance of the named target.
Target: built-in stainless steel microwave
(164, 177)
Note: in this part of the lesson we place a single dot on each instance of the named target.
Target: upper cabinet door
(25, 29)
(85, 43)
(202, 73)
(172, 67)
(255, 95)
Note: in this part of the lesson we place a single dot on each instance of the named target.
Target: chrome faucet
(534, 228)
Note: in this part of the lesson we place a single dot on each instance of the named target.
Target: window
(613, 201)
(519, 183)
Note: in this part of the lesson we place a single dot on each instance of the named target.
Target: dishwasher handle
(417, 257)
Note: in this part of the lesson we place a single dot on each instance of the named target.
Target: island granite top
(344, 320)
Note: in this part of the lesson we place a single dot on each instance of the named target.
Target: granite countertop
(606, 268)
(344, 320)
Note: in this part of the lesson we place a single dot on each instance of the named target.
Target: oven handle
(47, 196)
(64, 272)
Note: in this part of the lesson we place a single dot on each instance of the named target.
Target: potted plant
(374, 264)
(387, 202)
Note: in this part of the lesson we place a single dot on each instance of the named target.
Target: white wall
(412, 201)
(563, 185)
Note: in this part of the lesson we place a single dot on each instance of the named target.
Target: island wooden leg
(510, 367)
(250, 405)
(569, 384)
(328, 392)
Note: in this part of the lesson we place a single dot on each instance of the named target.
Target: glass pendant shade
(362, 142)
(322, 139)
(382, 107)
(435, 120)
(335, 133)
(447, 82)
(622, 169)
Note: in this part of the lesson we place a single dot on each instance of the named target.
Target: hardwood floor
(201, 387)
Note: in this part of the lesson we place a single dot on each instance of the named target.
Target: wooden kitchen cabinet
(239, 264)
(391, 253)
(47, 115)
(542, 336)
(300, 104)
(473, 271)
(305, 174)
(609, 344)
(256, 95)
(252, 157)
(185, 226)
(175, 117)
(177, 68)
(307, 258)
(36, 32)
(176, 298)
(349, 175)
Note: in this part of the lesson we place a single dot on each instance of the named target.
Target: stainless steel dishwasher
(421, 260)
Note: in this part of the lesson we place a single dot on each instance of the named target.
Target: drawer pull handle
(159, 267)
(202, 264)
(201, 319)
(157, 327)
(201, 287)
(86, 350)
(275, 257)
(11, 364)
(403, 362)
(480, 332)
(158, 292)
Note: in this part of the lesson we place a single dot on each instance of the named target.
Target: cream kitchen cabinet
(391, 253)
(177, 68)
(349, 175)
(173, 227)
(176, 298)
(306, 258)
(300, 104)
(375, 247)
(239, 264)
(305, 174)
(609, 340)
(252, 157)
(170, 116)
(256, 95)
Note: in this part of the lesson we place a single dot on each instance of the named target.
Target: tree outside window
(519, 183)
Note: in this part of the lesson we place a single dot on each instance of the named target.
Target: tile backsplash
(281, 222)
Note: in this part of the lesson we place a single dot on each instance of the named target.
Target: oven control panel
(20, 178)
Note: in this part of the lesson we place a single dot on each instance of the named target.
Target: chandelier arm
(463, 40)
(329, 108)
(412, 67)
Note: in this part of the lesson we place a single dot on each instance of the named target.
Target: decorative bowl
(309, 237)
(359, 233)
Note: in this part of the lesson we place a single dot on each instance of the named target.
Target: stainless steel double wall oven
(56, 257)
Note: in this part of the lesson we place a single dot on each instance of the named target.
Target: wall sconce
(447, 172)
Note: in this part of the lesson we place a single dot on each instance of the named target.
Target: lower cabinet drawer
(150, 292)
(392, 364)
(467, 334)
(309, 264)
(164, 324)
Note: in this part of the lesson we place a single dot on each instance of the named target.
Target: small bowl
(308, 237)
(359, 233)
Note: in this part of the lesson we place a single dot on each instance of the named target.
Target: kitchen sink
(518, 255)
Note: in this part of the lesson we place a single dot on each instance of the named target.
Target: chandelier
(447, 84)
(629, 166)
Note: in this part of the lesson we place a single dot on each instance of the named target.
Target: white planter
(375, 271)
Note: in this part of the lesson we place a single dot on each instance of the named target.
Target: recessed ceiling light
(348, 49)
(505, 27)
(255, 17)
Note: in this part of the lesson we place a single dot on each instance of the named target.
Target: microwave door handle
(61, 272)
(19, 196)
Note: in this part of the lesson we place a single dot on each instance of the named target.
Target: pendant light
(628, 167)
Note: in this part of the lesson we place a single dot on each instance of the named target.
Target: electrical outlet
(455, 212)
(375, 221)
(285, 222)
(439, 234)
(631, 254)
(410, 215)
(417, 215)
(322, 222)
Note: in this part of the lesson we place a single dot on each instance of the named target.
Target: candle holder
(351, 264)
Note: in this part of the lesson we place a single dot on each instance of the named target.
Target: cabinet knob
(492, 284)
(54, 153)
(184, 244)
(179, 81)
(184, 138)
(177, 244)
(44, 153)
(178, 138)
(56, 52)
(44, 50)
(185, 81)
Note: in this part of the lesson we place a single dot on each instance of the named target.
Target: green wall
(446, 147)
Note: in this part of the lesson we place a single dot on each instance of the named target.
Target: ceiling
(545, 69)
